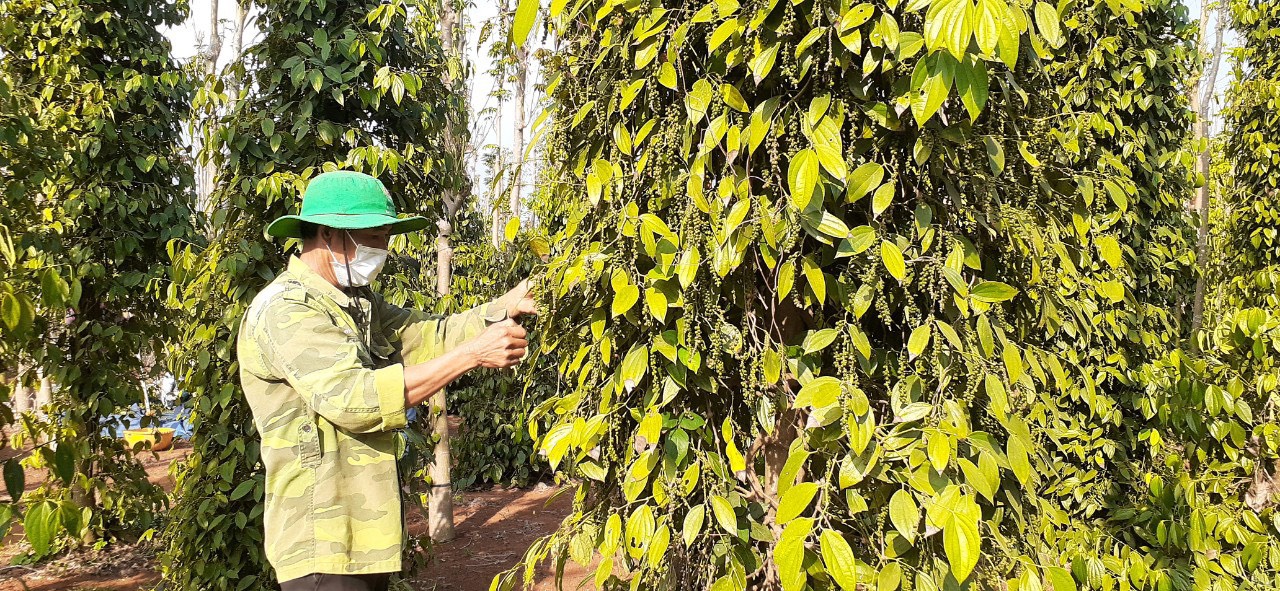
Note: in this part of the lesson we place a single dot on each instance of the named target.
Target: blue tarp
(177, 418)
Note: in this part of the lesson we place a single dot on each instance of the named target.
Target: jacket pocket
(309, 445)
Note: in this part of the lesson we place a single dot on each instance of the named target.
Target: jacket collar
(314, 283)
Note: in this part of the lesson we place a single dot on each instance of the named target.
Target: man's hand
(518, 302)
(500, 346)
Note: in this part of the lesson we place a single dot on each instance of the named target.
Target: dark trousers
(321, 582)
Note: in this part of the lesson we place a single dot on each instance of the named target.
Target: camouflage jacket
(324, 375)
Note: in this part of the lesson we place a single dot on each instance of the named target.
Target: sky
(186, 40)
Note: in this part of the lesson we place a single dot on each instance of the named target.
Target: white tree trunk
(206, 173)
(440, 498)
(1201, 101)
(498, 220)
(44, 395)
(495, 230)
(21, 400)
(242, 14)
(521, 90)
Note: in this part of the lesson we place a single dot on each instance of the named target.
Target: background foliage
(1242, 347)
(886, 294)
(1250, 243)
(493, 446)
(93, 185)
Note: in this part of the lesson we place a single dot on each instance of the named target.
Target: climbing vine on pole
(93, 184)
(860, 294)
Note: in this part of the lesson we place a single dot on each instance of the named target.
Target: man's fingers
(513, 358)
(505, 326)
(517, 343)
(517, 331)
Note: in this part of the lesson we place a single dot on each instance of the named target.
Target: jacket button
(306, 428)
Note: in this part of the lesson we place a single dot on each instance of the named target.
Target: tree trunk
(496, 224)
(1202, 49)
(440, 498)
(495, 230)
(207, 172)
(517, 173)
(20, 401)
(215, 41)
(44, 395)
(1201, 101)
(242, 14)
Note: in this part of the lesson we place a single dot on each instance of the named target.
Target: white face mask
(362, 268)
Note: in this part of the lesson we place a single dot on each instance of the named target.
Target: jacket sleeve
(322, 361)
(426, 336)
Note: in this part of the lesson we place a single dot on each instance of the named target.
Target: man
(329, 368)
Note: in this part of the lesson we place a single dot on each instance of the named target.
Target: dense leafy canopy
(1243, 341)
(93, 184)
(1253, 197)
(869, 293)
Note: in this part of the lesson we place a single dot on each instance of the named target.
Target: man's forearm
(424, 379)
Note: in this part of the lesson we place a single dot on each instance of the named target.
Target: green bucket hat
(346, 200)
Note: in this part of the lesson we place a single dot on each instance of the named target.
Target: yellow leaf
(513, 227)
(891, 256)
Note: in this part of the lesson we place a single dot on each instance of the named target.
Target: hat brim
(290, 226)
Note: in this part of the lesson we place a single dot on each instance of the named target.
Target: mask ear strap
(358, 315)
(345, 236)
(346, 265)
(359, 311)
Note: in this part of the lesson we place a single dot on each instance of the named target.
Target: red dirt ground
(493, 530)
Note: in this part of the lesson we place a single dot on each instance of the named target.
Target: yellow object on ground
(155, 439)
